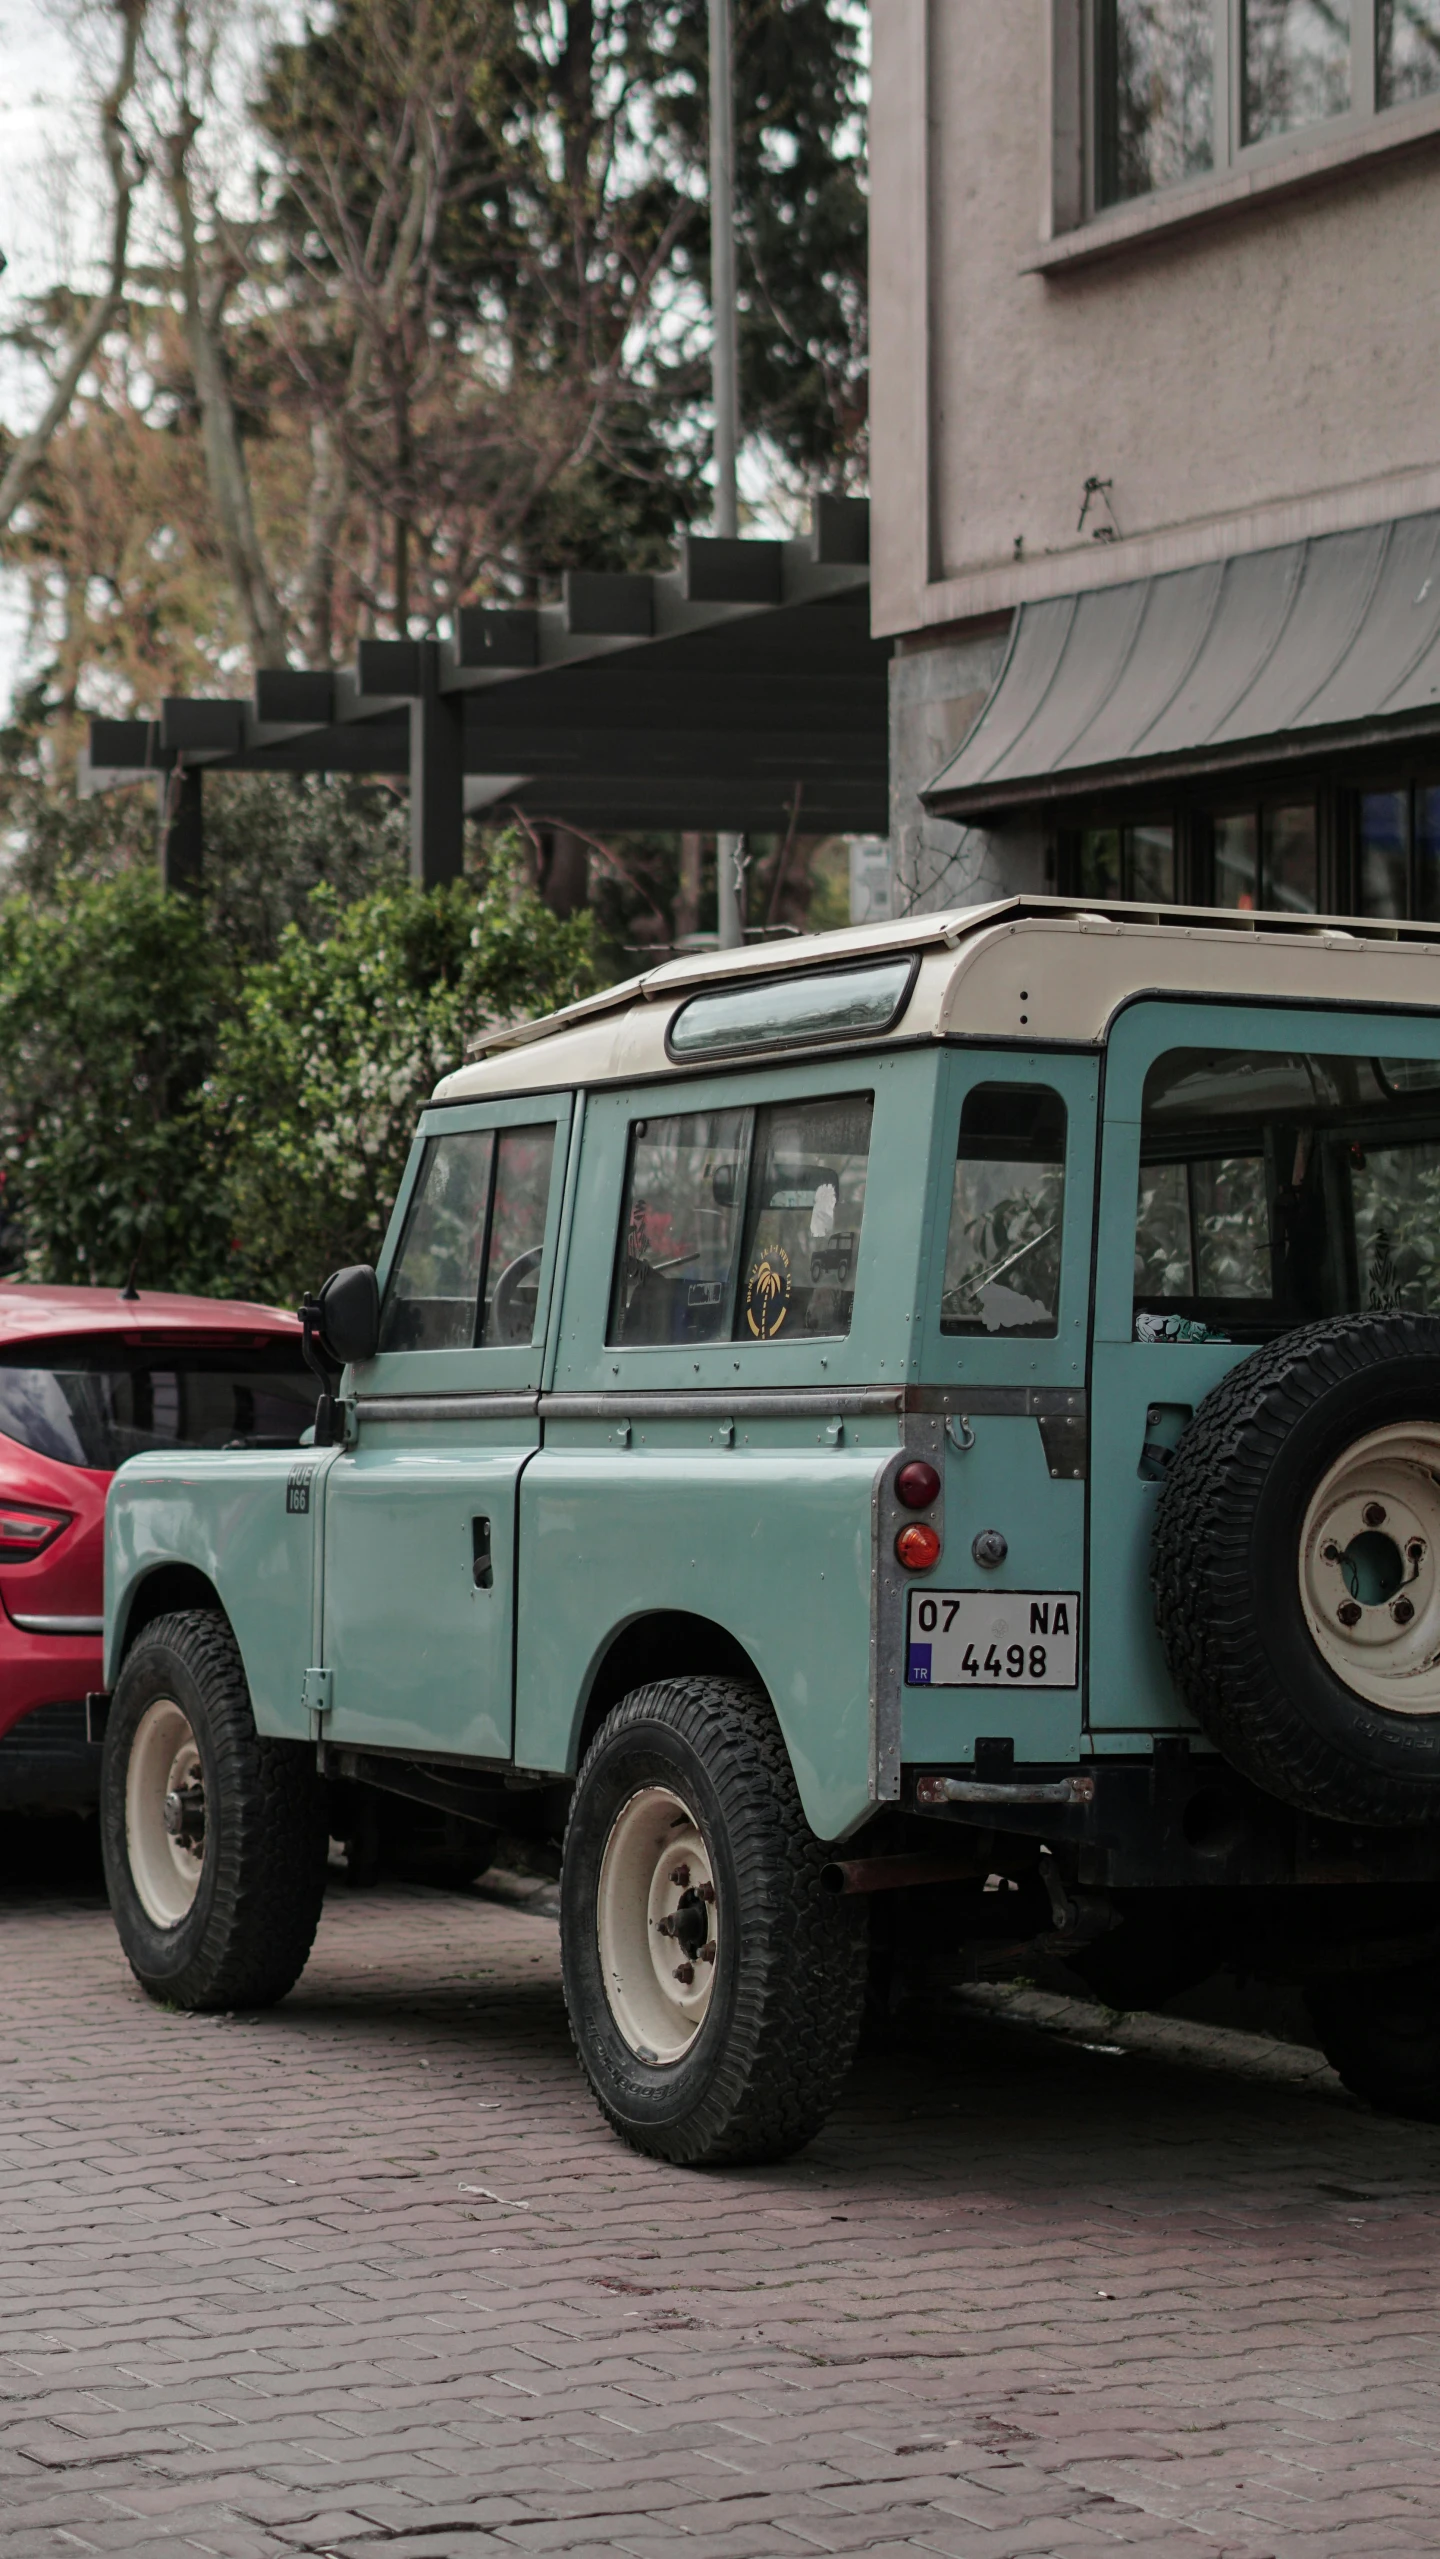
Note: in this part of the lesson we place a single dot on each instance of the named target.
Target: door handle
(482, 1566)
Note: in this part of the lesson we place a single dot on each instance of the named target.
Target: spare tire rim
(656, 1924)
(1370, 1568)
(165, 1813)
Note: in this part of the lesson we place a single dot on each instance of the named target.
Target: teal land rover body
(875, 1452)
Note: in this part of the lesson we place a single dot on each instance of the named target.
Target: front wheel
(714, 1989)
(214, 1836)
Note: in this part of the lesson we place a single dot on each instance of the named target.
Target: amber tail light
(25, 1534)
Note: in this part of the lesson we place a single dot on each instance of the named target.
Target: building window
(1268, 858)
(1398, 853)
(1179, 88)
(1128, 861)
(1407, 50)
(1154, 94)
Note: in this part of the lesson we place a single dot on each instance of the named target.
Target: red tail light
(26, 1533)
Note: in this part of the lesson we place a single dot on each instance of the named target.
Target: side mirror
(349, 1314)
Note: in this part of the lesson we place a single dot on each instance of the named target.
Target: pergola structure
(740, 691)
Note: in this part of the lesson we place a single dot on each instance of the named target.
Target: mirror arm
(310, 1337)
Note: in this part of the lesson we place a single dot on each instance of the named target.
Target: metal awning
(742, 690)
(1272, 657)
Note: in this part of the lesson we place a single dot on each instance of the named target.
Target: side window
(430, 1296)
(1007, 1206)
(480, 1203)
(742, 1225)
(524, 1161)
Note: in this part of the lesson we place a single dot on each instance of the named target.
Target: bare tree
(210, 265)
(126, 169)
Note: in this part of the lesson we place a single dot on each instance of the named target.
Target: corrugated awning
(1271, 657)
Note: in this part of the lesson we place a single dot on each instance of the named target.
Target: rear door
(420, 1511)
(993, 1649)
(1262, 1168)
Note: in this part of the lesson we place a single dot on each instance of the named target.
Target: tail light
(26, 1533)
(918, 1546)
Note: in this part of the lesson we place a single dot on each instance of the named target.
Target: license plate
(993, 1639)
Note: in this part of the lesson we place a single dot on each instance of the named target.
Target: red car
(89, 1377)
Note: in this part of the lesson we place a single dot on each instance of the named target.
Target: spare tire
(1296, 1568)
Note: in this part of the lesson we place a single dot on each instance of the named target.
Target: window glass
(1407, 42)
(97, 1403)
(1155, 88)
(524, 1160)
(1128, 861)
(1152, 863)
(1384, 846)
(1291, 880)
(1427, 856)
(675, 1280)
(1007, 1206)
(1237, 861)
(802, 1227)
(774, 1012)
(743, 1225)
(1100, 872)
(431, 1294)
(1275, 1189)
(1268, 858)
(1296, 64)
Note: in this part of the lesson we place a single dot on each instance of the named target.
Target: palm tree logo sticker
(767, 1293)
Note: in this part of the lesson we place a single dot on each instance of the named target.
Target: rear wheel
(714, 1989)
(214, 1836)
(1381, 2031)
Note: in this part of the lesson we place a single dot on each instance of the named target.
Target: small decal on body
(297, 1490)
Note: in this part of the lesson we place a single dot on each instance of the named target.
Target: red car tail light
(26, 1533)
(917, 1485)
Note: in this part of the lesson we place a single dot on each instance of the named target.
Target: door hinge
(317, 1696)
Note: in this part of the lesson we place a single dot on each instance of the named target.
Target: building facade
(1156, 447)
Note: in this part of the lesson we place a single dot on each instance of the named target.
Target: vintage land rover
(938, 1426)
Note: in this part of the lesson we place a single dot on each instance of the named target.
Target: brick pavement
(368, 2275)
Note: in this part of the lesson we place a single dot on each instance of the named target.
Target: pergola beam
(699, 698)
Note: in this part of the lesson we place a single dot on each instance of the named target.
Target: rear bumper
(46, 1763)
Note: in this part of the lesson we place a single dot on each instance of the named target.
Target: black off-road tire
(245, 1939)
(771, 2056)
(1381, 2032)
(1225, 1568)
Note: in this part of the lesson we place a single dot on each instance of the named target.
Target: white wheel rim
(165, 1864)
(1370, 1568)
(656, 1923)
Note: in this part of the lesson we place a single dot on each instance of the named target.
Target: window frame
(1004, 1359)
(888, 1262)
(498, 1367)
(1232, 155)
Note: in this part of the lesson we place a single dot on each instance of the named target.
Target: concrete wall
(937, 692)
(1261, 368)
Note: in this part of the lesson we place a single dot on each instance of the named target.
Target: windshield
(96, 1403)
(1278, 1188)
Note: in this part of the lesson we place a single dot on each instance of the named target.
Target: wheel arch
(668, 1643)
(166, 1587)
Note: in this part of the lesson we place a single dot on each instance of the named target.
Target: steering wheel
(512, 1319)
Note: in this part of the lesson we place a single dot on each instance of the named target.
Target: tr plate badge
(297, 1489)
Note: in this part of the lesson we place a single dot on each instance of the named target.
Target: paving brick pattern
(369, 2275)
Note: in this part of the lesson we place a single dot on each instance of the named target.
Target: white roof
(1047, 967)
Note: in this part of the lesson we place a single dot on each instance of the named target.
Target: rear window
(1277, 1188)
(94, 1403)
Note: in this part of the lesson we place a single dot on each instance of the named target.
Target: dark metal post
(437, 777)
(180, 845)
